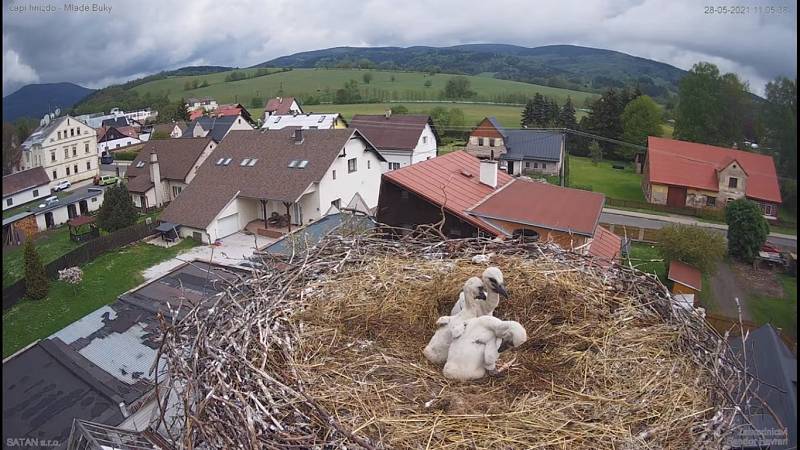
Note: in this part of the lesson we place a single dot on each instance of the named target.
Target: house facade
(480, 199)
(112, 138)
(281, 106)
(65, 147)
(402, 139)
(215, 128)
(204, 103)
(317, 121)
(487, 140)
(686, 174)
(253, 176)
(24, 187)
(174, 162)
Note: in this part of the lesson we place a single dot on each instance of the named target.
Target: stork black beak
(481, 295)
(501, 289)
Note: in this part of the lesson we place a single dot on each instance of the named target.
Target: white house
(402, 139)
(52, 212)
(24, 187)
(206, 103)
(281, 106)
(253, 175)
(174, 162)
(112, 138)
(96, 120)
(318, 121)
(65, 147)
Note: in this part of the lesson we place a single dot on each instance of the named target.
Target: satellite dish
(58, 112)
(46, 119)
(52, 116)
(42, 123)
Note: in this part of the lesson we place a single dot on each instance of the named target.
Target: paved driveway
(726, 289)
(234, 250)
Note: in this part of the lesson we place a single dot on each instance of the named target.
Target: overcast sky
(142, 37)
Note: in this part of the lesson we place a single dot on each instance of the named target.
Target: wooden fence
(703, 213)
(82, 255)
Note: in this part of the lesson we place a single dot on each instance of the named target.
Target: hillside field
(306, 82)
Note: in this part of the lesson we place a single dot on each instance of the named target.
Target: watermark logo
(31, 442)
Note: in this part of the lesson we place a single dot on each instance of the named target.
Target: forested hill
(564, 66)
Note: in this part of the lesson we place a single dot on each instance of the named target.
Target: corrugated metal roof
(452, 179)
(544, 205)
(533, 144)
(681, 163)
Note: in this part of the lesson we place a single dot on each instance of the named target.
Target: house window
(491, 142)
(117, 145)
(711, 201)
(424, 139)
(527, 165)
(94, 199)
(369, 166)
(9, 201)
(352, 165)
(544, 165)
(197, 236)
(733, 182)
(334, 174)
(88, 165)
(52, 156)
(86, 147)
(176, 190)
(66, 153)
(535, 165)
(55, 175)
(72, 132)
(76, 168)
(74, 150)
(480, 141)
(35, 192)
(67, 171)
(394, 165)
(59, 135)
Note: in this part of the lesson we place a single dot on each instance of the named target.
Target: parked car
(61, 185)
(49, 201)
(107, 159)
(107, 179)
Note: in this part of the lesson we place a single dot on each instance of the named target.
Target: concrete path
(656, 222)
(726, 290)
(235, 250)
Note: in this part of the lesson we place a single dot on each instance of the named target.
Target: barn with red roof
(686, 174)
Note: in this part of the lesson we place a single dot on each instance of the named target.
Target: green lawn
(646, 258)
(508, 116)
(51, 244)
(780, 312)
(304, 82)
(104, 279)
(620, 184)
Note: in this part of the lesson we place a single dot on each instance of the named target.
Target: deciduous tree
(696, 246)
(747, 229)
(640, 119)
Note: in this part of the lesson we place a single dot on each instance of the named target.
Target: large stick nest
(325, 347)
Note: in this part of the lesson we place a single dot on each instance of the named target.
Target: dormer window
(140, 164)
(252, 162)
(220, 161)
(245, 162)
(294, 163)
(733, 182)
(302, 164)
(226, 162)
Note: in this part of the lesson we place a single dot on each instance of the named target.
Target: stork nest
(324, 349)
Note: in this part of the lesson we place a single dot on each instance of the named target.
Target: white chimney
(155, 177)
(488, 174)
(387, 113)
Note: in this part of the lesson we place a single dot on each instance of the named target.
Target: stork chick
(437, 348)
(474, 352)
(492, 279)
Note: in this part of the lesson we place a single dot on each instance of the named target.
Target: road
(655, 222)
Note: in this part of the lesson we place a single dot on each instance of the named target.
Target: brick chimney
(488, 174)
(155, 177)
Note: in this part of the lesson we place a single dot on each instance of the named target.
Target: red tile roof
(694, 165)
(605, 245)
(544, 205)
(279, 105)
(455, 174)
(197, 113)
(686, 275)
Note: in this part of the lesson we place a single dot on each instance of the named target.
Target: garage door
(676, 196)
(227, 225)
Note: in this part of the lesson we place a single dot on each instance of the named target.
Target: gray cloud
(147, 36)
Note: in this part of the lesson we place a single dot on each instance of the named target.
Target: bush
(117, 211)
(125, 155)
(696, 246)
(399, 109)
(36, 283)
(747, 229)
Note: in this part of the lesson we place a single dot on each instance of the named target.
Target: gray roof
(86, 369)
(120, 121)
(40, 133)
(314, 232)
(533, 144)
(496, 124)
(217, 127)
(775, 367)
